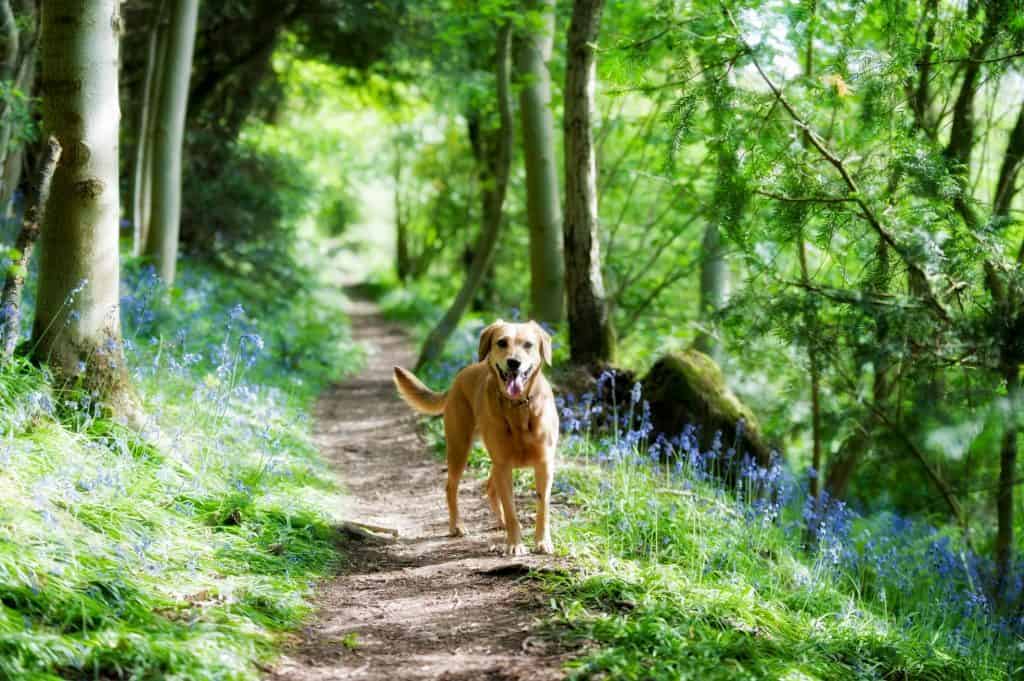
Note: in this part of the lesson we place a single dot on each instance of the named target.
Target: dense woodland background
(824, 198)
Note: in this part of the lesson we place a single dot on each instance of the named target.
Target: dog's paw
(458, 531)
(516, 549)
(545, 546)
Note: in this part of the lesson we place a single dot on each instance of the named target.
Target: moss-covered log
(689, 388)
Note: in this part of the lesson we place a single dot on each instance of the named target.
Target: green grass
(677, 584)
(177, 552)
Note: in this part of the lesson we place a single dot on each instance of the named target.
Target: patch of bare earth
(425, 606)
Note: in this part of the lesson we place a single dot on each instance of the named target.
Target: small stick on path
(10, 299)
(366, 531)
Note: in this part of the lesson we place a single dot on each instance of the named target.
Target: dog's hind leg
(495, 503)
(458, 440)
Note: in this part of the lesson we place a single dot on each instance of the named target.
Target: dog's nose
(513, 364)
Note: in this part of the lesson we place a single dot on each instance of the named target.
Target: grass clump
(178, 550)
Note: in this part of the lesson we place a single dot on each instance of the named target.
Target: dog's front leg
(502, 476)
(543, 474)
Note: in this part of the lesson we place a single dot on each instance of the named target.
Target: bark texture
(543, 208)
(10, 300)
(77, 328)
(591, 336)
(169, 136)
(499, 154)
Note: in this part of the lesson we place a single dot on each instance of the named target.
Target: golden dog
(504, 399)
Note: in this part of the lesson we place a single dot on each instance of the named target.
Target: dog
(505, 400)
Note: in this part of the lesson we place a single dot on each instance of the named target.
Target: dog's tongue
(514, 385)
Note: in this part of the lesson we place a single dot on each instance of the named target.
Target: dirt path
(426, 606)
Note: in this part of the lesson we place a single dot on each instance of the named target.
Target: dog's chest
(520, 436)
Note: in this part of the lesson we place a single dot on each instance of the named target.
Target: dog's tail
(418, 396)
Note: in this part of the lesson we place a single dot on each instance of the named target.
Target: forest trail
(425, 606)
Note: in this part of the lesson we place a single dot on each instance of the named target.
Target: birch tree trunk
(544, 212)
(172, 103)
(591, 336)
(143, 177)
(77, 328)
(498, 157)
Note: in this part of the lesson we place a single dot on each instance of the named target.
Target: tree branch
(806, 199)
(972, 60)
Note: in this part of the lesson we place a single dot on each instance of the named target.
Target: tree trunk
(403, 263)
(143, 176)
(1006, 187)
(10, 50)
(10, 299)
(165, 222)
(23, 72)
(544, 212)
(499, 153)
(591, 335)
(728, 207)
(811, 317)
(713, 283)
(962, 129)
(920, 96)
(77, 329)
(1004, 495)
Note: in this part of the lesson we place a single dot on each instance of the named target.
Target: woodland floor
(425, 606)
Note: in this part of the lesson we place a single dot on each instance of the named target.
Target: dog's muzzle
(514, 380)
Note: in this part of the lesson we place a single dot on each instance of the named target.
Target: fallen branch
(10, 299)
(365, 530)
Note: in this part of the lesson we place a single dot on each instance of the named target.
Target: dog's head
(514, 353)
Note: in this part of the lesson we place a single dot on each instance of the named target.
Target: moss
(689, 388)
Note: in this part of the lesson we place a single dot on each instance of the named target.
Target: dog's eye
(527, 345)
(503, 343)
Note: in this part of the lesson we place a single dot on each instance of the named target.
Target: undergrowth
(178, 550)
(683, 575)
(681, 572)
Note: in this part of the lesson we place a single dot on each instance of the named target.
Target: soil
(423, 606)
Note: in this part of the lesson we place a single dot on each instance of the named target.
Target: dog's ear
(545, 343)
(485, 340)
